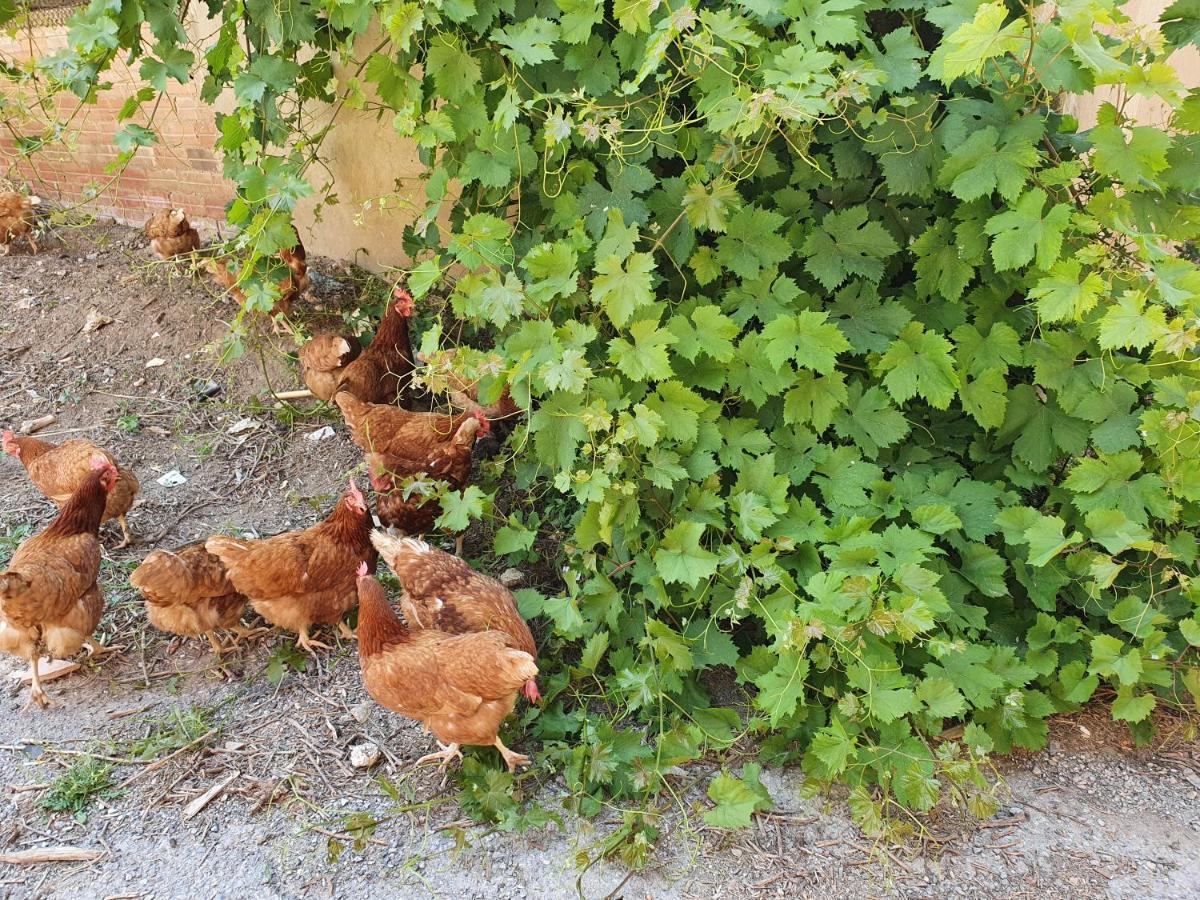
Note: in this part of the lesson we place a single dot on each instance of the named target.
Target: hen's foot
(38, 696)
(512, 759)
(443, 757)
(310, 645)
(95, 648)
(213, 641)
(126, 534)
(242, 633)
(345, 631)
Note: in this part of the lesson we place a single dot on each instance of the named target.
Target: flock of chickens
(462, 652)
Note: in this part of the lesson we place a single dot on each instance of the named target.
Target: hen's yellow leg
(512, 759)
(36, 694)
(443, 757)
(310, 645)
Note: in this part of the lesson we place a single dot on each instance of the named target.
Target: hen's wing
(432, 673)
(58, 472)
(263, 569)
(450, 594)
(185, 575)
(65, 634)
(51, 574)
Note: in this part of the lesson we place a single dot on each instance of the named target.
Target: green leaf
(736, 800)
(919, 362)
(1181, 22)
(1129, 323)
(1112, 530)
(941, 697)
(1046, 540)
(1023, 232)
(646, 358)
(529, 42)
(680, 559)
(455, 72)
(847, 244)
(459, 509)
(750, 245)
(1063, 296)
(781, 690)
(1130, 707)
(1133, 161)
(807, 338)
(936, 518)
(970, 46)
(622, 287)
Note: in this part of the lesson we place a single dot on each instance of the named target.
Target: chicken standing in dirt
(322, 359)
(57, 470)
(460, 686)
(16, 219)
(188, 593)
(443, 593)
(303, 578)
(171, 234)
(48, 594)
(382, 372)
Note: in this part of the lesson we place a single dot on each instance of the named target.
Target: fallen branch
(194, 808)
(292, 395)
(29, 426)
(49, 854)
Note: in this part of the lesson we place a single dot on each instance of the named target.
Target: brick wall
(181, 171)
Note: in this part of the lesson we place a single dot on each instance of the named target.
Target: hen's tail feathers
(395, 549)
(226, 549)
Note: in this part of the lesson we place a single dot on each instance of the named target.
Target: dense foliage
(857, 365)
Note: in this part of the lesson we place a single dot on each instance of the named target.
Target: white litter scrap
(242, 425)
(171, 479)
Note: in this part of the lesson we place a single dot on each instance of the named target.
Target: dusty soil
(1091, 817)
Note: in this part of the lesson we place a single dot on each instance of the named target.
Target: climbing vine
(861, 370)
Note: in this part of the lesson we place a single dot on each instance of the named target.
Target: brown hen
(322, 359)
(187, 593)
(291, 286)
(171, 234)
(408, 506)
(16, 219)
(303, 578)
(48, 593)
(382, 372)
(57, 470)
(442, 592)
(460, 686)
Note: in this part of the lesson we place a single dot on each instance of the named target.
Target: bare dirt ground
(1091, 817)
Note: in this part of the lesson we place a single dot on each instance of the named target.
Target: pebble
(365, 755)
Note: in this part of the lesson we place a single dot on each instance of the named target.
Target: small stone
(361, 712)
(364, 756)
(320, 434)
(207, 389)
(511, 577)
